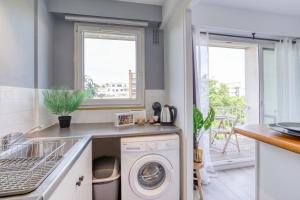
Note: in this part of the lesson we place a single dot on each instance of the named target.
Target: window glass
(110, 65)
(269, 86)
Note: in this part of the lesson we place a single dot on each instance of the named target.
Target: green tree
(219, 97)
(90, 87)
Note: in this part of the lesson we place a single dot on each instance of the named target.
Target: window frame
(79, 29)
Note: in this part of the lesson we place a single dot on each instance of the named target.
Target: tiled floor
(235, 184)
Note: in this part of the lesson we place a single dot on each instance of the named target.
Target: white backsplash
(22, 109)
(94, 116)
(17, 106)
(44, 118)
(153, 96)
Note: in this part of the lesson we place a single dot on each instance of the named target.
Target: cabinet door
(77, 184)
(85, 174)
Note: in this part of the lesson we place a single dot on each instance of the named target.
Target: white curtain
(201, 68)
(288, 80)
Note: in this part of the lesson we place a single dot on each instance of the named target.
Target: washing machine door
(151, 176)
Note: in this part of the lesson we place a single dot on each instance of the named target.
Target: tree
(219, 98)
(91, 87)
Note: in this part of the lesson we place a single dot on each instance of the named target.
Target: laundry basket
(106, 178)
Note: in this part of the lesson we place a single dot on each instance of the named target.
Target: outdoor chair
(226, 128)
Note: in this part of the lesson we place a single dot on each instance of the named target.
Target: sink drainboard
(23, 167)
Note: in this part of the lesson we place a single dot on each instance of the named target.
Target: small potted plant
(201, 125)
(62, 103)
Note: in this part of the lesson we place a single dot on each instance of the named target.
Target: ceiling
(283, 7)
(153, 2)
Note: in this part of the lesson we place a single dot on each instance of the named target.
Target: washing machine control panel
(149, 146)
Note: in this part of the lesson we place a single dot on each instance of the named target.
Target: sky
(227, 65)
(108, 61)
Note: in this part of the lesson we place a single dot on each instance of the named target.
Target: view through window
(110, 65)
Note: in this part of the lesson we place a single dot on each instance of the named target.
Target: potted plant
(62, 103)
(200, 124)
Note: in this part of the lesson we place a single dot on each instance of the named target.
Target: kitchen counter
(277, 163)
(264, 134)
(104, 130)
(86, 132)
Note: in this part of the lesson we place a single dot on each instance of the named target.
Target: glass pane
(269, 86)
(110, 65)
(151, 176)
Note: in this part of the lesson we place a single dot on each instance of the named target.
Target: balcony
(227, 147)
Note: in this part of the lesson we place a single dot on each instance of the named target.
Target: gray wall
(64, 56)
(26, 38)
(63, 53)
(38, 52)
(154, 61)
(17, 43)
(64, 36)
(107, 8)
(45, 35)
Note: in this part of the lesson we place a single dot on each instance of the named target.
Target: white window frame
(79, 29)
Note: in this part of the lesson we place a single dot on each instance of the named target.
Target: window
(109, 64)
(269, 86)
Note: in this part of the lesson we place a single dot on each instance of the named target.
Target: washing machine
(150, 168)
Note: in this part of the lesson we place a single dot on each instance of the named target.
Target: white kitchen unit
(77, 184)
(277, 163)
(278, 172)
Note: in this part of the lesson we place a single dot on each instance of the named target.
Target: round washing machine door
(151, 176)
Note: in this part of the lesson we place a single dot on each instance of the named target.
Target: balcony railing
(233, 111)
(246, 146)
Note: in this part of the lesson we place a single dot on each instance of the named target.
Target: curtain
(287, 55)
(201, 98)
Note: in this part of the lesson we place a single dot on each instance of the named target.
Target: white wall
(21, 109)
(231, 20)
(103, 116)
(16, 109)
(178, 84)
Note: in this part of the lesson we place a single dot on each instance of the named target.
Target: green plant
(63, 102)
(199, 123)
(90, 87)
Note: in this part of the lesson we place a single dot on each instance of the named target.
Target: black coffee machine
(156, 106)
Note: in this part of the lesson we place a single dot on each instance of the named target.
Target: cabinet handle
(78, 183)
(81, 178)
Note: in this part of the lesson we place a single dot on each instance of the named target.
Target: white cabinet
(77, 184)
(277, 173)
